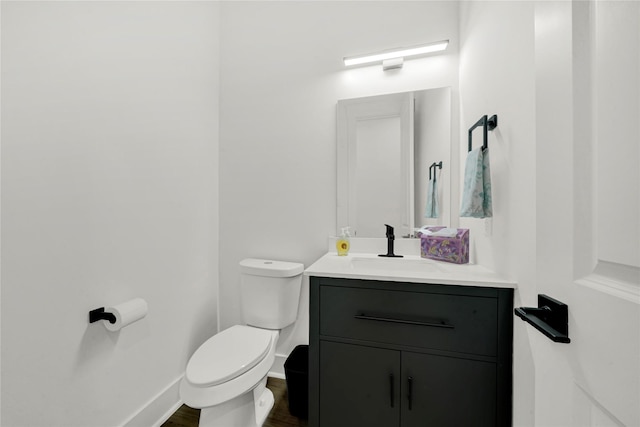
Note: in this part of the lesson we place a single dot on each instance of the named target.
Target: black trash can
(296, 371)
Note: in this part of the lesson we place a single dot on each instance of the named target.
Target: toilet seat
(228, 355)
(205, 397)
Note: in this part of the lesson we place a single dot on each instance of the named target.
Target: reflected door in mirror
(385, 146)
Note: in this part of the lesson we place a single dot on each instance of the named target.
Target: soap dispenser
(342, 244)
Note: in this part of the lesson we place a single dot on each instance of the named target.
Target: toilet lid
(227, 355)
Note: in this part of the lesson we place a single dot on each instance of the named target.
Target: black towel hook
(487, 125)
(434, 165)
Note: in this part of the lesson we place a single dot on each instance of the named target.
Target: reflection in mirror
(386, 145)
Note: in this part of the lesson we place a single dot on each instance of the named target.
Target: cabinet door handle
(410, 391)
(440, 324)
(391, 389)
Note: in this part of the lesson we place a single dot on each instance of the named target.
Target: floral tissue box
(446, 248)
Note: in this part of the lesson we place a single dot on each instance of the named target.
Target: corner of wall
(497, 76)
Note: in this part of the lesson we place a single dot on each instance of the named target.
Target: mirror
(387, 148)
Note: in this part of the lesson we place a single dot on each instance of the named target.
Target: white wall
(433, 133)
(281, 77)
(109, 192)
(497, 76)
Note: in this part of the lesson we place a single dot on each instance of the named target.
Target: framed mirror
(388, 151)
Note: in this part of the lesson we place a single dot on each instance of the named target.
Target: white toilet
(226, 377)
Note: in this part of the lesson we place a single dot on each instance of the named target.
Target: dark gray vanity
(394, 353)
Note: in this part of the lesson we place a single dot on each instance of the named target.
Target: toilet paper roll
(126, 313)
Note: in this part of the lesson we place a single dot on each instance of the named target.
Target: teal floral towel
(432, 199)
(476, 195)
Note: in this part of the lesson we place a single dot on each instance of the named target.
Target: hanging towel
(476, 194)
(432, 199)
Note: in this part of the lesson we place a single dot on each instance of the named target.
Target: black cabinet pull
(391, 390)
(440, 324)
(410, 391)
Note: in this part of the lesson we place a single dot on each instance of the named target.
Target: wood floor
(278, 417)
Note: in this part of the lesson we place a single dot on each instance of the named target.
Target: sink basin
(364, 264)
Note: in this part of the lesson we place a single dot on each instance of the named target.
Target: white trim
(276, 375)
(148, 416)
(168, 414)
(277, 369)
(612, 419)
(614, 279)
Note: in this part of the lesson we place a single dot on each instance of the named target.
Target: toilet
(227, 375)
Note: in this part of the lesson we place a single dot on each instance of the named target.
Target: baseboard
(155, 412)
(276, 375)
(277, 369)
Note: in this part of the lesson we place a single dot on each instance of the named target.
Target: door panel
(356, 387)
(588, 133)
(606, 297)
(447, 392)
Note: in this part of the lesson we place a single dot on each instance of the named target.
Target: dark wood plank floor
(278, 417)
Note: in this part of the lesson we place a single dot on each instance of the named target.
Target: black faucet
(390, 238)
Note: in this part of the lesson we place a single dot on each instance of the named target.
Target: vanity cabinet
(409, 354)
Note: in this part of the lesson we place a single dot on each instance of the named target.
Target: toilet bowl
(223, 371)
(226, 376)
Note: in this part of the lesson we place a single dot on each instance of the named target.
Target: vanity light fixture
(394, 58)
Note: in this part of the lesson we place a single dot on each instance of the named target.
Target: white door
(375, 164)
(588, 211)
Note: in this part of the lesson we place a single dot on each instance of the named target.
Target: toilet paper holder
(100, 314)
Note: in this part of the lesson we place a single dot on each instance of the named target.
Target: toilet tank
(270, 291)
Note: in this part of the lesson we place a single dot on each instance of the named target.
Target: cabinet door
(447, 392)
(359, 386)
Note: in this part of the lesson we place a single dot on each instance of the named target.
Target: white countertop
(410, 268)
